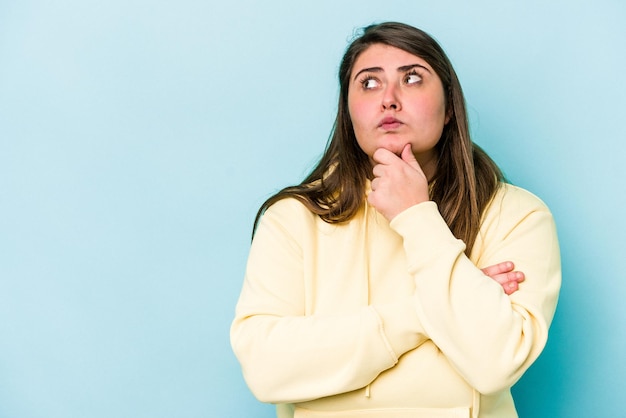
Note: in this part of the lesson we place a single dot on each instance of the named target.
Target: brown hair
(465, 180)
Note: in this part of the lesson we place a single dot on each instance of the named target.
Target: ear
(449, 113)
(449, 108)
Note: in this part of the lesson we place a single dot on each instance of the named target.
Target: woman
(364, 294)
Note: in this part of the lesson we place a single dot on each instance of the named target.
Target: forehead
(386, 57)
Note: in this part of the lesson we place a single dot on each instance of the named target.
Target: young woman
(384, 285)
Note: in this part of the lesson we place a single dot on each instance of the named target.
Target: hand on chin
(393, 142)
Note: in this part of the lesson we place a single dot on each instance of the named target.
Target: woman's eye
(412, 79)
(369, 83)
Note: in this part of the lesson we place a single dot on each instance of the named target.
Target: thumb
(408, 157)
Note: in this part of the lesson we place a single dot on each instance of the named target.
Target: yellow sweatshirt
(377, 319)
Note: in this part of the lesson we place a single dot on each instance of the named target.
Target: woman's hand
(398, 183)
(503, 273)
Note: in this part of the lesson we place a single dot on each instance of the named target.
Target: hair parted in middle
(465, 179)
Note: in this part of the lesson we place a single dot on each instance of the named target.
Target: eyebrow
(402, 69)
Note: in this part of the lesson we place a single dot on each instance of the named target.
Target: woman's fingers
(504, 274)
(499, 268)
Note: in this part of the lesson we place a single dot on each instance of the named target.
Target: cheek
(354, 116)
(358, 118)
(358, 114)
(433, 111)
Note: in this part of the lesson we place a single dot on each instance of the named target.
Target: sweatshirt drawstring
(475, 403)
(364, 242)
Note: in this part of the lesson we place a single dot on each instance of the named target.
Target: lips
(390, 123)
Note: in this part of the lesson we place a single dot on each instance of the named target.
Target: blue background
(138, 138)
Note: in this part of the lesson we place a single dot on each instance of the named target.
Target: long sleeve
(489, 338)
(326, 310)
(288, 354)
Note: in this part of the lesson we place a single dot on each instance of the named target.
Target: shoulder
(288, 209)
(514, 208)
(510, 199)
(514, 215)
(288, 216)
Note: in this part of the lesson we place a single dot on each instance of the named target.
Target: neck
(428, 163)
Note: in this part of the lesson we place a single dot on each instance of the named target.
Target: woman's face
(396, 98)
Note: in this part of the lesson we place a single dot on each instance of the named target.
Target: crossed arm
(274, 341)
(399, 183)
(505, 274)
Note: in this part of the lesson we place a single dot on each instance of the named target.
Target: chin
(395, 148)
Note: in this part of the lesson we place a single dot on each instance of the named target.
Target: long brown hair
(465, 180)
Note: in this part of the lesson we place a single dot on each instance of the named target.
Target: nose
(391, 100)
